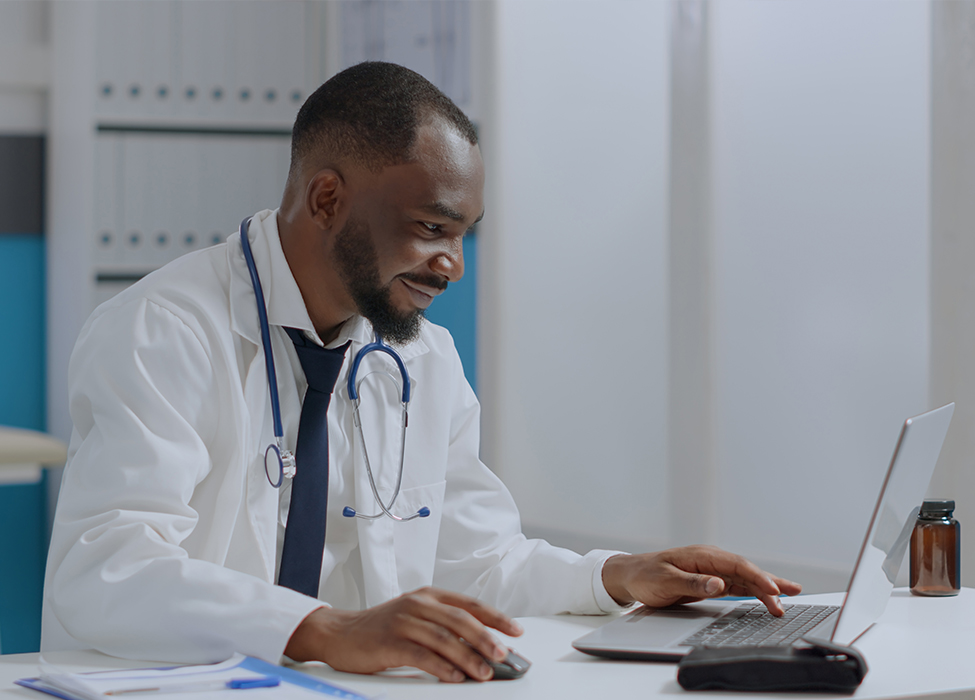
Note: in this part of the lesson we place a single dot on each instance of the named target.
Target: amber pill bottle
(936, 550)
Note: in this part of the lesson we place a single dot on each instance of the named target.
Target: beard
(358, 266)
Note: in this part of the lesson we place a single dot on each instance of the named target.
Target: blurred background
(728, 246)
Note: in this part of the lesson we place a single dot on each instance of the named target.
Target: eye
(432, 228)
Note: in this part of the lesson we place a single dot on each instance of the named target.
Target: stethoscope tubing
(272, 376)
(378, 346)
(385, 508)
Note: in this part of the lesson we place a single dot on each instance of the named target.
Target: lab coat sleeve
(482, 551)
(141, 396)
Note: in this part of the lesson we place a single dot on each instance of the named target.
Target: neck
(320, 287)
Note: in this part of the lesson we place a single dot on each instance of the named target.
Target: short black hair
(368, 114)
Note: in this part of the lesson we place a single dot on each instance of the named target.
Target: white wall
(573, 310)
(820, 170)
(953, 256)
(815, 270)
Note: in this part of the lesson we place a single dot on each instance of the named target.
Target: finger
(737, 569)
(451, 648)
(485, 614)
(787, 587)
(748, 588)
(419, 656)
(737, 590)
(459, 622)
(713, 586)
(773, 604)
(688, 586)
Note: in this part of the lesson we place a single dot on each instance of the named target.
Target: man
(168, 538)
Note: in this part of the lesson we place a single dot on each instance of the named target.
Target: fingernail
(500, 652)
(773, 585)
(485, 671)
(457, 676)
(713, 586)
(515, 627)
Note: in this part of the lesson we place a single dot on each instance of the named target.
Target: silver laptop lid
(892, 522)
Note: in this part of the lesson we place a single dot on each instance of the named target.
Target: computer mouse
(513, 666)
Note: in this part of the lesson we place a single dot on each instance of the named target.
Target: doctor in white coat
(168, 533)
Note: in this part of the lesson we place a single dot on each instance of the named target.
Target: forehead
(446, 171)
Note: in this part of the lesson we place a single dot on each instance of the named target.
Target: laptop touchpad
(659, 627)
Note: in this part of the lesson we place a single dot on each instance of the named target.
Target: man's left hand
(688, 574)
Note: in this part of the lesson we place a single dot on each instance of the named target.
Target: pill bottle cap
(937, 507)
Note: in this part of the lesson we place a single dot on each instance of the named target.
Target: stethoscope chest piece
(278, 465)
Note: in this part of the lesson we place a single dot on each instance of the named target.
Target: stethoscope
(281, 461)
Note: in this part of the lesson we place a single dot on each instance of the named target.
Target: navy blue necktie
(304, 536)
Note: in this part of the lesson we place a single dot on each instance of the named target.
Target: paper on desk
(94, 685)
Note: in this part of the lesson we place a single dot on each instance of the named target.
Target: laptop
(667, 634)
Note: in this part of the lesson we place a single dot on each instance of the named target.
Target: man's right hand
(431, 629)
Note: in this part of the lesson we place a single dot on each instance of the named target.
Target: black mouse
(513, 666)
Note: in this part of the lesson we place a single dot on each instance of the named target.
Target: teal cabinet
(23, 517)
(456, 310)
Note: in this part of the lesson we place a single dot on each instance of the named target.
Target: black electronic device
(818, 666)
(513, 666)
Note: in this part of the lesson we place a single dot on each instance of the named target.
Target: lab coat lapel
(282, 298)
(261, 500)
(243, 301)
(285, 308)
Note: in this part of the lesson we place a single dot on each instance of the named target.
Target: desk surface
(20, 446)
(920, 647)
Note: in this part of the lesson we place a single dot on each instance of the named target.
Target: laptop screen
(889, 533)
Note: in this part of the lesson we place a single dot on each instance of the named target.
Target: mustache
(432, 281)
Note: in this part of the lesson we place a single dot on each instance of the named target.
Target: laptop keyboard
(753, 625)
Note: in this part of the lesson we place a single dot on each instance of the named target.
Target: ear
(325, 197)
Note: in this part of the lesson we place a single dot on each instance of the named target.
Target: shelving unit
(171, 121)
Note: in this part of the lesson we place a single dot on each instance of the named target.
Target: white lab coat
(167, 535)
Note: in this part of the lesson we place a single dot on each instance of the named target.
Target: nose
(450, 264)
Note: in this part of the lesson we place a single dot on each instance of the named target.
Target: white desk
(23, 452)
(915, 650)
